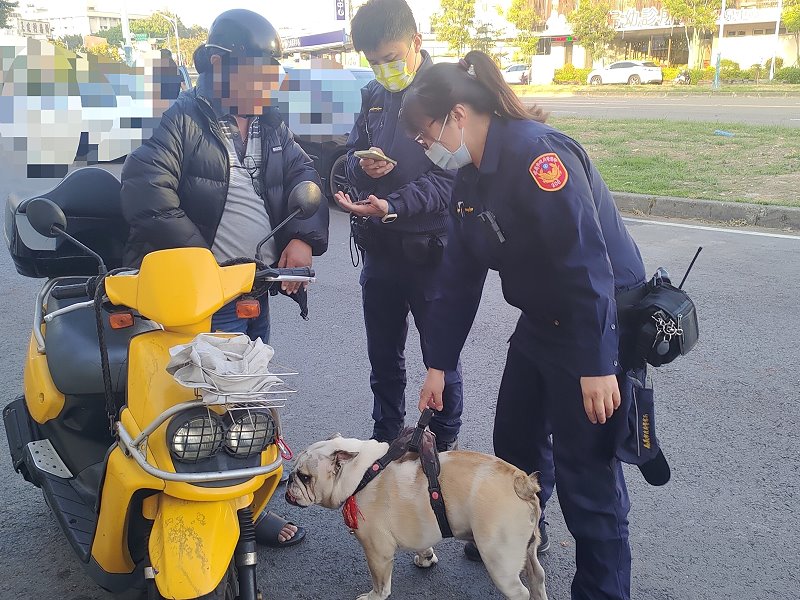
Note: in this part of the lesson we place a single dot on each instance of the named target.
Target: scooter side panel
(191, 545)
(123, 478)
(42, 398)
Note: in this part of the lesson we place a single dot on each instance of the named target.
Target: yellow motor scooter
(154, 486)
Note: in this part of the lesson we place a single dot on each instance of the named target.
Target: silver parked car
(632, 72)
(517, 73)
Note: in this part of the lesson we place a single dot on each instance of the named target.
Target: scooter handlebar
(294, 274)
(75, 290)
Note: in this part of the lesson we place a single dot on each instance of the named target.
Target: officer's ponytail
(506, 102)
(475, 80)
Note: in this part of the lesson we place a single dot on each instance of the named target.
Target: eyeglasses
(420, 138)
(250, 165)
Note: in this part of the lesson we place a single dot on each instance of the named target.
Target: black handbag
(667, 324)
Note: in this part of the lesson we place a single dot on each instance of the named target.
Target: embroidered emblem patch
(549, 172)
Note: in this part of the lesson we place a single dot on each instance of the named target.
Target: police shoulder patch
(549, 172)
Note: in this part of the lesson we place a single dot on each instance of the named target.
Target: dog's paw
(425, 560)
(372, 596)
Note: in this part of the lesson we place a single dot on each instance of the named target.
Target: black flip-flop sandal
(269, 525)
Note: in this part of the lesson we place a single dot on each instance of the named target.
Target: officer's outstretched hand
(431, 394)
(600, 397)
(371, 207)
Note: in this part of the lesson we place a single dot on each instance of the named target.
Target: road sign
(140, 37)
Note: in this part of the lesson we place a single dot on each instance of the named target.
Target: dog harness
(412, 439)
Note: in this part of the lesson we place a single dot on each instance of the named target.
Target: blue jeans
(225, 320)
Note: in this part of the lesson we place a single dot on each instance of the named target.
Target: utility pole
(719, 44)
(777, 40)
(174, 23)
(126, 34)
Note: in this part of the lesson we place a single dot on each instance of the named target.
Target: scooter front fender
(192, 544)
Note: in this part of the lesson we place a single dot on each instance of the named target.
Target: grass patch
(759, 164)
(668, 89)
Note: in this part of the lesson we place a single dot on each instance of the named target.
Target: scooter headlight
(195, 438)
(249, 434)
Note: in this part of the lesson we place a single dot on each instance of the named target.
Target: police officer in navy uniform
(400, 218)
(533, 207)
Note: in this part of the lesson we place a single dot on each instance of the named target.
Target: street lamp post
(126, 34)
(174, 23)
(719, 49)
(777, 40)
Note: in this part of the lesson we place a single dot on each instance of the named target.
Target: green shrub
(730, 70)
(757, 73)
(778, 64)
(670, 73)
(788, 75)
(569, 74)
(698, 75)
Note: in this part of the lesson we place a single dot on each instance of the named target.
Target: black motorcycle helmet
(239, 33)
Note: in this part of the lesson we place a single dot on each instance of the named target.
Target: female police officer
(532, 206)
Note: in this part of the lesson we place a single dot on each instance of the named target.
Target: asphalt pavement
(784, 112)
(726, 526)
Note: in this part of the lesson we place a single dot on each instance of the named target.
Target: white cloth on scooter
(223, 365)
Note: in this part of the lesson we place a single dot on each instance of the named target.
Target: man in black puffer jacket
(217, 174)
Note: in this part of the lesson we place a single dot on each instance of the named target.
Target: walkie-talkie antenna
(691, 264)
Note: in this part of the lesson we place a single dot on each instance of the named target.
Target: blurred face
(249, 85)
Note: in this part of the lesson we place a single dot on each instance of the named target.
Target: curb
(731, 214)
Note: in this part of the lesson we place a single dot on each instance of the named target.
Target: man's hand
(375, 168)
(296, 254)
(372, 207)
(600, 397)
(431, 394)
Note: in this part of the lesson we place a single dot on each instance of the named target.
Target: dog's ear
(334, 436)
(339, 458)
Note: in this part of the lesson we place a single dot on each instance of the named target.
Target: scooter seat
(73, 353)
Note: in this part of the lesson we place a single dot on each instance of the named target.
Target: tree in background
(106, 51)
(485, 40)
(6, 8)
(113, 35)
(522, 15)
(72, 42)
(699, 15)
(455, 23)
(159, 28)
(592, 27)
(791, 20)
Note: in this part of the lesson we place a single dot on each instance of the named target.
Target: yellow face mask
(394, 76)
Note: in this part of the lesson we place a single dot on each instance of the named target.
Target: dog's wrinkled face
(318, 475)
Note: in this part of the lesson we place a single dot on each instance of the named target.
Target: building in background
(645, 31)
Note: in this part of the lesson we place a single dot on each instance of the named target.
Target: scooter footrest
(77, 519)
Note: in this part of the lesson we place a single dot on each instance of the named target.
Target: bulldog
(487, 501)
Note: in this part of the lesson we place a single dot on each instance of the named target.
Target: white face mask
(443, 158)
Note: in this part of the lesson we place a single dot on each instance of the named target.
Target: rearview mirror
(46, 217)
(305, 198)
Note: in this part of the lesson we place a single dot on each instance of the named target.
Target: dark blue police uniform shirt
(566, 251)
(418, 191)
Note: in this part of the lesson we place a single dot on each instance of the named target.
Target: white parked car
(632, 72)
(518, 73)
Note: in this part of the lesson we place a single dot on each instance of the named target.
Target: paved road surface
(725, 527)
(763, 111)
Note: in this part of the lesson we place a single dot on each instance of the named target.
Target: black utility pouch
(667, 322)
(365, 233)
(423, 249)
